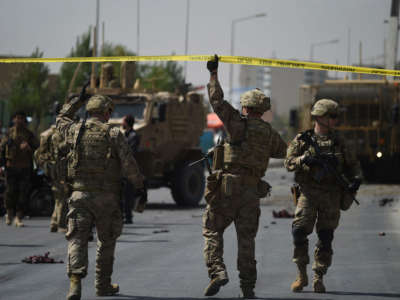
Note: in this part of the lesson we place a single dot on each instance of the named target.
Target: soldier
(233, 193)
(321, 196)
(17, 149)
(51, 157)
(99, 158)
(128, 190)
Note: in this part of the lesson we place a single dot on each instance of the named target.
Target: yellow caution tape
(242, 60)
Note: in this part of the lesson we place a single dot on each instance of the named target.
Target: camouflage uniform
(320, 198)
(18, 164)
(96, 166)
(51, 157)
(233, 194)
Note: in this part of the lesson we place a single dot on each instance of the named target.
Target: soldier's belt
(241, 60)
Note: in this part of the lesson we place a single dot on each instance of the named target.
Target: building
(281, 84)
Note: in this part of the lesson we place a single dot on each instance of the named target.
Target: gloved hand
(355, 185)
(212, 65)
(309, 160)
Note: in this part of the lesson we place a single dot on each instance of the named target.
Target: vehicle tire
(187, 186)
(41, 202)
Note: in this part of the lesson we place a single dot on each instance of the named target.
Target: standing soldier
(320, 160)
(17, 149)
(233, 192)
(128, 190)
(51, 157)
(99, 158)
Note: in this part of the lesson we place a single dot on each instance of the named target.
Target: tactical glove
(212, 65)
(309, 160)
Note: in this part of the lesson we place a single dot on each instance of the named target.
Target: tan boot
(318, 285)
(111, 290)
(53, 228)
(215, 284)
(75, 288)
(9, 216)
(301, 279)
(18, 220)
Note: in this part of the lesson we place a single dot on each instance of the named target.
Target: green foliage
(82, 49)
(164, 76)
(30, 90)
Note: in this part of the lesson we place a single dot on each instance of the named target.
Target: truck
(368, 120)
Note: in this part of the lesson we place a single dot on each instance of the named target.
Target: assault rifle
(326, 163)
(205, 159)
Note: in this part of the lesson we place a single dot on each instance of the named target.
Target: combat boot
(18, 220)
(9, 216)
(75, 288)
(53, 228)
(247, 293)
(110, 290)
(301, 279)
(215, 284)
(318, 285)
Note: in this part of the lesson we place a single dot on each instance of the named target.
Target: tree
(30, 91)
(82, 49)
(164, 76)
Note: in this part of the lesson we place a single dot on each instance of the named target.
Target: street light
(260, 15)
(335, 41)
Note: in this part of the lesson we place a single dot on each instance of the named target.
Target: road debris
(282, 214)
(273, 222)
(382, 233)
(41, 259)
(385, 201)
(161, 231)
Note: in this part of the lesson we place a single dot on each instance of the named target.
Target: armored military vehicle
(369, 121)
(169, 127)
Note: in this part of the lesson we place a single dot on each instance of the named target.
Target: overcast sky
(289, 29)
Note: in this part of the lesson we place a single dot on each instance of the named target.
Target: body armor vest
(93, 165)
(253, 152)
(329, 146)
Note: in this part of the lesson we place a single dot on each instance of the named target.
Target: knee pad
(299, 235)
(325, 237)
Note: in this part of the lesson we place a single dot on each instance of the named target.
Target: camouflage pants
(103, 210)
(242, 208)
(18, 184)
(319, 208)
(60, 194)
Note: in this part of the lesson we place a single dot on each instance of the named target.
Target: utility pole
(97, 25)
(187, 35)
(138, 28)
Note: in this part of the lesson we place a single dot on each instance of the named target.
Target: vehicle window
(136, 110)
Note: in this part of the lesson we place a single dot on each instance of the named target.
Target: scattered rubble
(161, 231)
(41, 259)
(385, 201)
(282, 214)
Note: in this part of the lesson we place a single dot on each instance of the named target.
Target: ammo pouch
(346, 201)
(218, 157)
(263, 189)
(212, 193)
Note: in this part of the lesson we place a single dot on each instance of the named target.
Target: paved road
(152, 264)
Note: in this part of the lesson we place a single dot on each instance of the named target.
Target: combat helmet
(255, 99)
(99, 104)
(323, 107)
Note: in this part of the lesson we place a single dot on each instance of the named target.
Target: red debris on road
(283, 214)
(41, 259)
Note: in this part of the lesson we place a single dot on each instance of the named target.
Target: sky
(287, 32)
